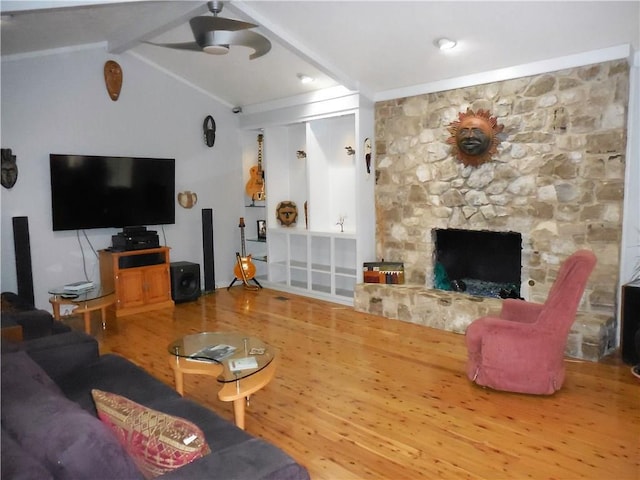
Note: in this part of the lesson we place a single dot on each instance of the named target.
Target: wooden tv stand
(141, 279)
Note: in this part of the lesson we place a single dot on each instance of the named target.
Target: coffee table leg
(87, 321)
(56, 309)
(238, 411)
(103, 312)
(179, 382)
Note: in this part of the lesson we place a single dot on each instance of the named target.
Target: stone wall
(592, 335)
(557, 179)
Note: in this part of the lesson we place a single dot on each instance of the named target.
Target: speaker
(630, 322)
(207, 250)
(22, 245)
(185, 281)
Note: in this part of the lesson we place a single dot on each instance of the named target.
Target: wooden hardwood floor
(363, 397)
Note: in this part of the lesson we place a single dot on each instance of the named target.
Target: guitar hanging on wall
(244, 269)
(255, 185)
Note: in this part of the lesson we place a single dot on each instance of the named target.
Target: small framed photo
(262, 229)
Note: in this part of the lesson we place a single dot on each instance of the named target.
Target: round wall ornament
(287, 213)
(187, 199)
(474, 137)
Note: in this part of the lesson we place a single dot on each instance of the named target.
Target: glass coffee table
(241, 363)
(87, 301)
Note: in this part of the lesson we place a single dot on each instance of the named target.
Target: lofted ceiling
(375, 47)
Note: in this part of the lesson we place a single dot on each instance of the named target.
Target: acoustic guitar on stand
(244, 269)
(255, 185)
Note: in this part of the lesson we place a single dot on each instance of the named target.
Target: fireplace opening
(480, 263)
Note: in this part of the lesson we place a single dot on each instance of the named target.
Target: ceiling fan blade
(200, 25)
(246, 38)
(193, 46)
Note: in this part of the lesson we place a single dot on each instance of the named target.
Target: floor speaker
(24, 276)
(630, 322)
(185, 281)
(207, 250)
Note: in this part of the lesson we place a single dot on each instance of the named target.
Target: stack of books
(78, 287)
(383, 272)
(214, 353)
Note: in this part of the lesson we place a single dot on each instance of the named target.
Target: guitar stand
(246, 283)
(244, 277)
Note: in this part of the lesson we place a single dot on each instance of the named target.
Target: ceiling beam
(150, 27)
(21, 6)
(295, 45)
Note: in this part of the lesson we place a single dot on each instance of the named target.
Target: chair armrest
(61, 354)
(520, 311)
(34, 323)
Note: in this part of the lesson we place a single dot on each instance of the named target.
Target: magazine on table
(214, 353)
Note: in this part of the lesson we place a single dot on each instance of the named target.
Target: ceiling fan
(214, 35)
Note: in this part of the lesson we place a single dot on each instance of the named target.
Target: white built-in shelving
(317, 256)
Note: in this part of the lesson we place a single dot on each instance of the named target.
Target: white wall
(631, 224)
(58, 103)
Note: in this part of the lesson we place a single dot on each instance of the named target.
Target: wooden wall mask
(209, 129)
(9, 168)
(113, 79)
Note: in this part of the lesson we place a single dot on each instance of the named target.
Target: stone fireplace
(557, 179)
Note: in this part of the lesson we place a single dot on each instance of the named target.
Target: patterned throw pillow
(157, 442)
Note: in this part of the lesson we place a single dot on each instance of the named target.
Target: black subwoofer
(630, 323)
(185, 281)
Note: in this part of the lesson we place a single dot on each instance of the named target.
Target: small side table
(12, 333)
(87, 302)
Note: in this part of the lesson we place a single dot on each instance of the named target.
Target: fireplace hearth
(480, 263)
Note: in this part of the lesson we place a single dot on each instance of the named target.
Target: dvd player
(140, 240)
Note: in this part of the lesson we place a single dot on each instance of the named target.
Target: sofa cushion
(63, 354)
(115, 374)
(255, 459)
(22, 376)
(35, 323)
(68, 441)
(157, 442)
(18, 463)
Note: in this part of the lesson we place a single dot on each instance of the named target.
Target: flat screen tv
(100, 192)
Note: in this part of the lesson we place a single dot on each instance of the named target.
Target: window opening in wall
(481, 263)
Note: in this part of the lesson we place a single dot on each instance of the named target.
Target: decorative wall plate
(287, 213)
(187, 199)
(474, 137)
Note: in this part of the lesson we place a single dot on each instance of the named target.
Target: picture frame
(262, 229)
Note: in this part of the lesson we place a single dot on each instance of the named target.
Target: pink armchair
(522, 349)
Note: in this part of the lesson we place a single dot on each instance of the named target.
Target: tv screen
(101, 192)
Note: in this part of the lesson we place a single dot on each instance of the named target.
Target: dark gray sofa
(50, 427)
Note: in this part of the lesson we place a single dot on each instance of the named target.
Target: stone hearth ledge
(592, 336)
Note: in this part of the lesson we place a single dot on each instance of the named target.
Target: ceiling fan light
(305, 78)
(216, 49)
(445, 44)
